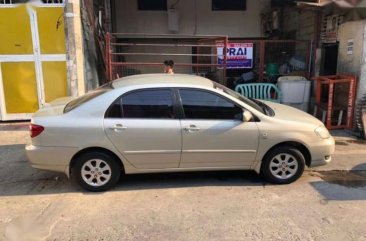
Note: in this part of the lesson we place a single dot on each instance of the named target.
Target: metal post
(330, 103)
(225, 58)
(108, 55)
(262, 50)
(310, 57)
(351, 101)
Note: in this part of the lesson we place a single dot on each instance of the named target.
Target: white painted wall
(195, 18)
(354, 63)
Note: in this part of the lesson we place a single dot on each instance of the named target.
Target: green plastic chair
(261, 91)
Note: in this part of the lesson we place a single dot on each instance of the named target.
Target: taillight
(35, 130)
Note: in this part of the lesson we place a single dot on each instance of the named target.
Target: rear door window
(144, 104)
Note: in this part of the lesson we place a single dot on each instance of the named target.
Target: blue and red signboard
(238, 55)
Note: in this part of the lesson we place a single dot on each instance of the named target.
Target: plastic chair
(262, 91)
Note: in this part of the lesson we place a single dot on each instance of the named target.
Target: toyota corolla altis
(173, 123)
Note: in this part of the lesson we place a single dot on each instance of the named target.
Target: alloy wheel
(283, 166)
(96, 172)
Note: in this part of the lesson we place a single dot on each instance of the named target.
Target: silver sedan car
(173, 123)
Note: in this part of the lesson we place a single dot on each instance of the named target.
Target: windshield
(88, 96)
(256, 104)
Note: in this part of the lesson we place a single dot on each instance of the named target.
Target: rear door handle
(118, 127)
(191, 128)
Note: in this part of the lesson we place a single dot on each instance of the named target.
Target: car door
(213, 132)
(142, 126)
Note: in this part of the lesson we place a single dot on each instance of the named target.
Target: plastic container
(295, 91)
(272, 69)
(297, 63)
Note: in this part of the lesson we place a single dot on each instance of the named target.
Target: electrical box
(173, 20)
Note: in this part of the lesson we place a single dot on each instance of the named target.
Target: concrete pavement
(327, 203)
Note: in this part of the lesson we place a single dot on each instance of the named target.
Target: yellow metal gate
(32, 58)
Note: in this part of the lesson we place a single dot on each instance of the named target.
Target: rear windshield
(88, 96)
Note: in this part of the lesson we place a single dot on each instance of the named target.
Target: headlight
(322, 132)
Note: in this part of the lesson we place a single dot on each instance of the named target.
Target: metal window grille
(137, 55)
(128, 55)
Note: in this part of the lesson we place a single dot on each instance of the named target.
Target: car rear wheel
(283, 165)
(96, 171)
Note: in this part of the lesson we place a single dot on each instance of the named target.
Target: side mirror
(247, 116)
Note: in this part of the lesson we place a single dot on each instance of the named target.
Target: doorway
(329, 59)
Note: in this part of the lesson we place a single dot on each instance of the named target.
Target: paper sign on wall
(238, 55)
(350, 46)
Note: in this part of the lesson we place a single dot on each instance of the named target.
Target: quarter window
(153, 104)
(115, 110)
(199, 104)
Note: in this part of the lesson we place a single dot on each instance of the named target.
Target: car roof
(163, 79)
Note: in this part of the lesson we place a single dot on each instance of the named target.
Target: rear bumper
(50, 158)
(321, 152)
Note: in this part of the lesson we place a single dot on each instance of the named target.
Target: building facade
(51, 49)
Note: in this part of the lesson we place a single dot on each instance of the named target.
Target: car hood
(55, 107)
(288, 113)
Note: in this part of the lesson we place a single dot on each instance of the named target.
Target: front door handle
(191, 128)
(118, 127)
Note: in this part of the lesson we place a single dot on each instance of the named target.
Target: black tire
(115, 169)
(298, 157)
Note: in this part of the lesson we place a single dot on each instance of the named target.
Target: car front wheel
(97, 171)
(283, 165)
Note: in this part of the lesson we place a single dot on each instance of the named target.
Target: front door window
(199, 104)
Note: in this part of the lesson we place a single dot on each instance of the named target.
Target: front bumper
(321, 152)
(50, 158)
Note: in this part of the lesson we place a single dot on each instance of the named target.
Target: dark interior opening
(329, 59)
